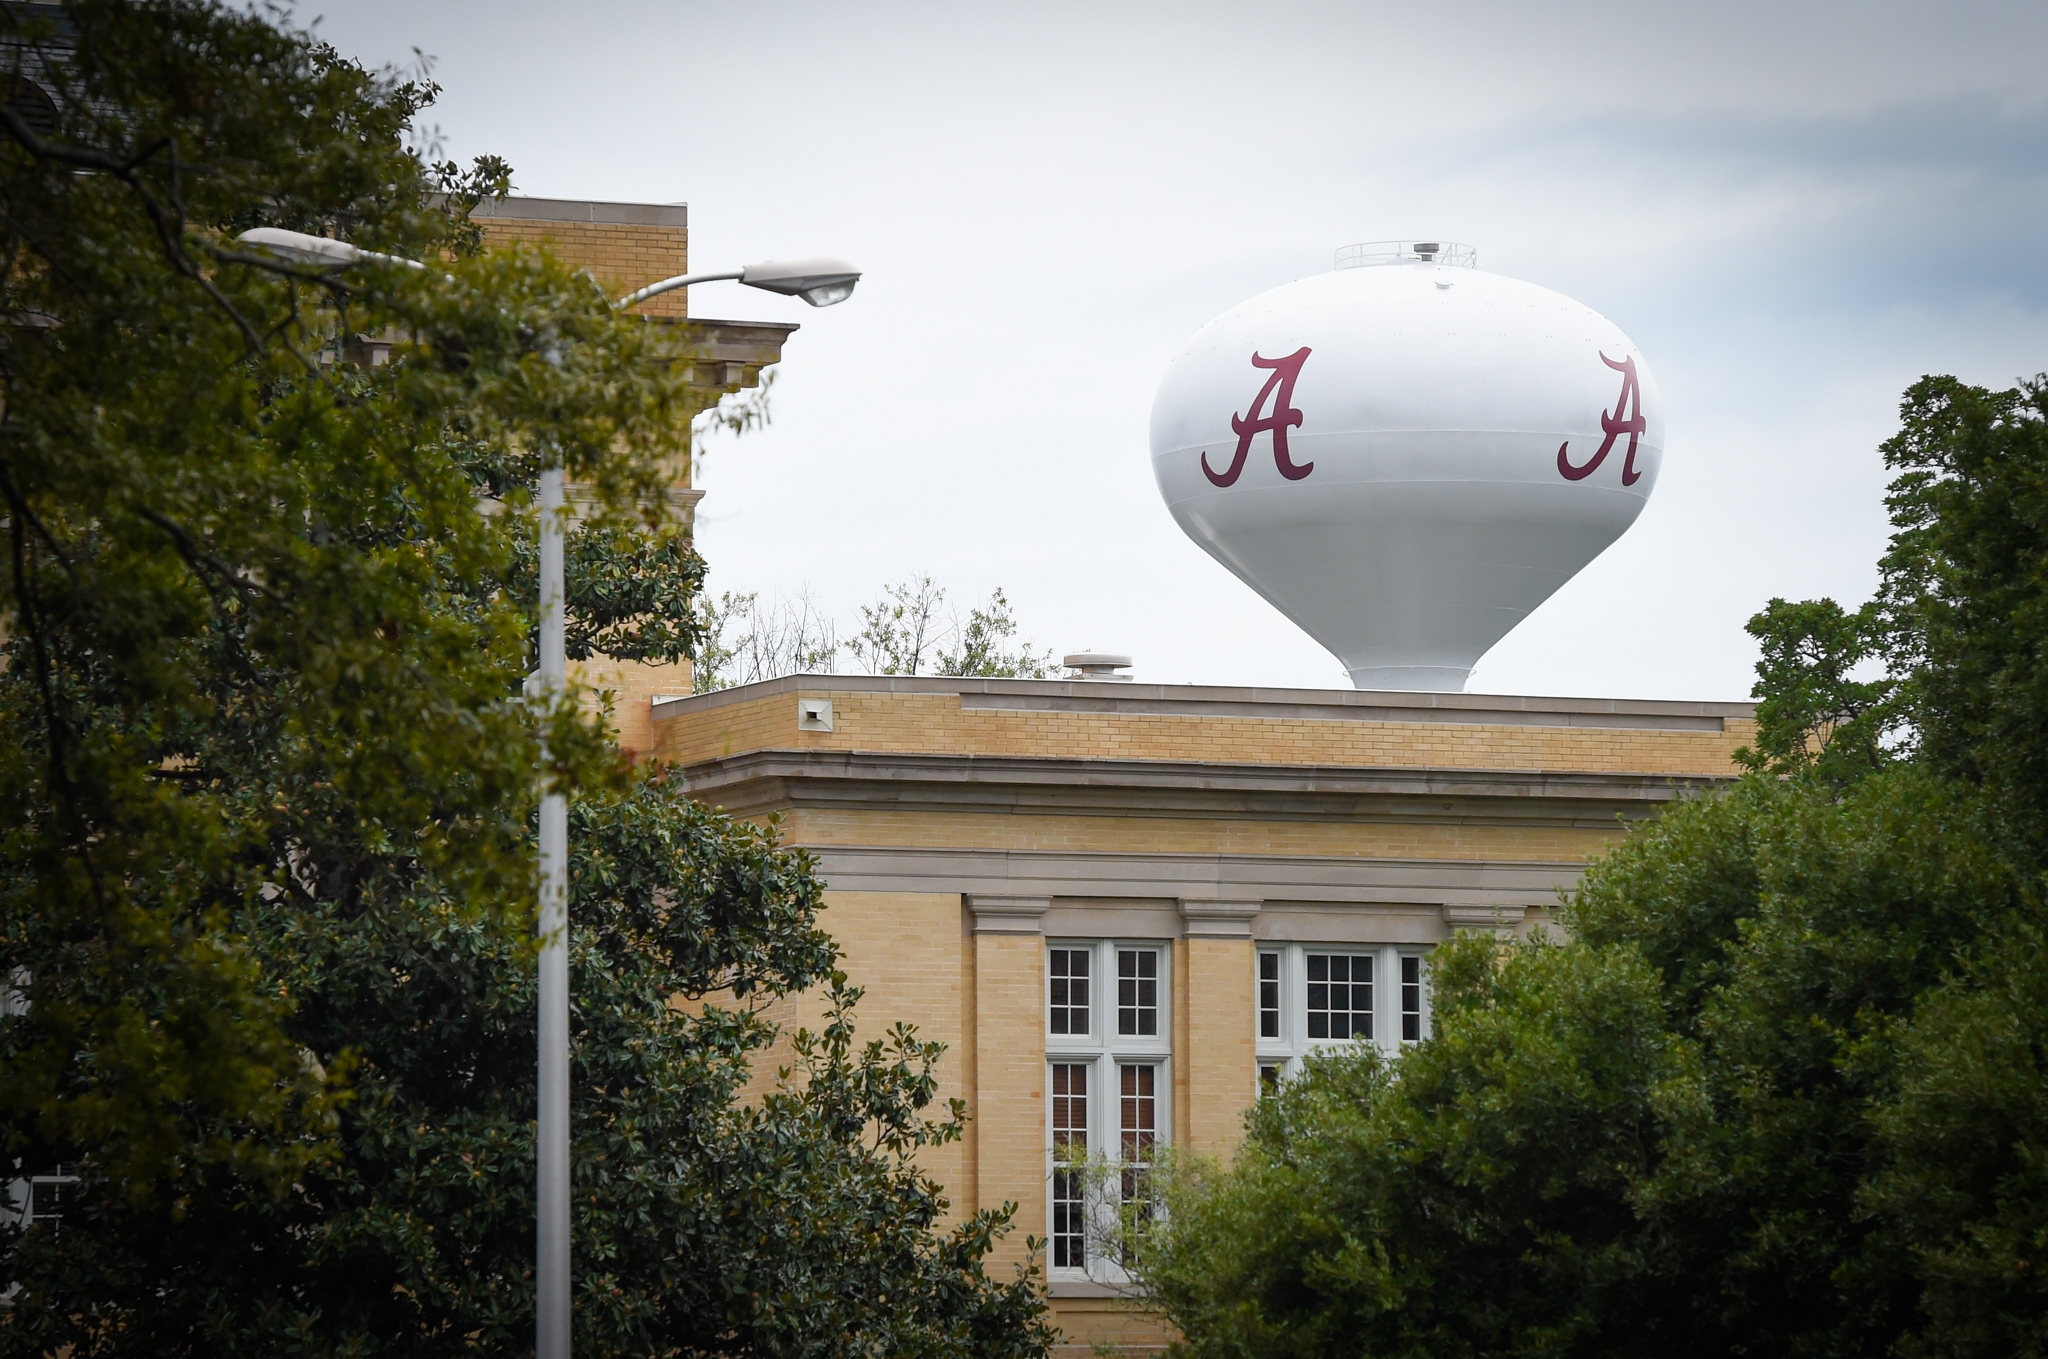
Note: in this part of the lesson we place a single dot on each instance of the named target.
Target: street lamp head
(303, 248)
(820, 282)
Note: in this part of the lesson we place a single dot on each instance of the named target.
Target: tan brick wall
(1009, 1081)
(632, 686)
(938, 724)
(1090, 1324)
(621, 256)
(1221, 1064)
(907, 950)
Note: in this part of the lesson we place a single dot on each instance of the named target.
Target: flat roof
(584, 210)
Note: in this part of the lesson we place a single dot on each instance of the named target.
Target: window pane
(1411, 1000)
(1340, 1007)
(1067, 969)
(1269, 995)
(1139, 1112)
(1139, 1124)
(1069, 1156)
(1269, 1079)
(1137, 991)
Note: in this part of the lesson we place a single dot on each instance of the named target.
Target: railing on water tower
(1368, 253)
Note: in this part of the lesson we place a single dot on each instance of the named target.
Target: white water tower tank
(1408, 455)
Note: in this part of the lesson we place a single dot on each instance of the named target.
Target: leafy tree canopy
(1780, 1087)
(266, 799)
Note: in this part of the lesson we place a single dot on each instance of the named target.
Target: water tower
(1408, 455)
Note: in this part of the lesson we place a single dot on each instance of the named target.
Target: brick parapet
(883, 721)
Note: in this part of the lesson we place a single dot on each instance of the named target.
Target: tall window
(1137, 992)
(1312, 996)
(1070, 1163)
(1411, 999)
(1107, 1052)
(1269, 995)
(1139, 1114)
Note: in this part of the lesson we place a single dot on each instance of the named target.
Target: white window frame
(21, 1207)
(1104, 1052)
(1280, 1057)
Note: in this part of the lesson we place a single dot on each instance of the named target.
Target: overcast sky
(1794, 210)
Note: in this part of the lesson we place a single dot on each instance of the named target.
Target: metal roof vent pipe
(1096, 665)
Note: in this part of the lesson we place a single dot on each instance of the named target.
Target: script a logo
(1284, 417)
(1629, 403)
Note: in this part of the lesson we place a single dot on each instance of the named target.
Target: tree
(1778, 1086)
(980, 640)
(1810, 713)
(266, 860)
(704, 1224)
(900, 631)
(746, 641)
(903, 633)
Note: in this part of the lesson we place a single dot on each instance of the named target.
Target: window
(1411, 999)
(1068, 969)
(1070, 1163)
(1107, 1084)
(1137, 991)
(38, 1200)
(1139, 1111)
(1269, 995)
(1312, 996)
(1339, 995)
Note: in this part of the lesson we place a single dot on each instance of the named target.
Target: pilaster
(1217, 1051)
(1009, 1062)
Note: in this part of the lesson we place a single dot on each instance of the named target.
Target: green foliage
(795, 1225)
(1965, 590)
(1779, 1088)
(1962, 1190)
(257, 632)
(1660, 1137)
(1810, 713)
(1469, 1199)
(900, 631)
(266, 860)
(981, 639)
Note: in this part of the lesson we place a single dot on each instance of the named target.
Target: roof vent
(1096, 665)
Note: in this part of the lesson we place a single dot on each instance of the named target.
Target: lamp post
(820, 282)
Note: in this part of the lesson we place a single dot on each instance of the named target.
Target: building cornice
(761, 781)
(1203, 894)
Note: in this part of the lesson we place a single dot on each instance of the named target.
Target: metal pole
(552, 1303)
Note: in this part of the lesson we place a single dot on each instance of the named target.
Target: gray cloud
(1794, 209)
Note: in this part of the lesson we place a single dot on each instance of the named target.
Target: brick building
(1123, 907)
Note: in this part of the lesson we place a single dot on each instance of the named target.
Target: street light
(301, 248)
(820, 282)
